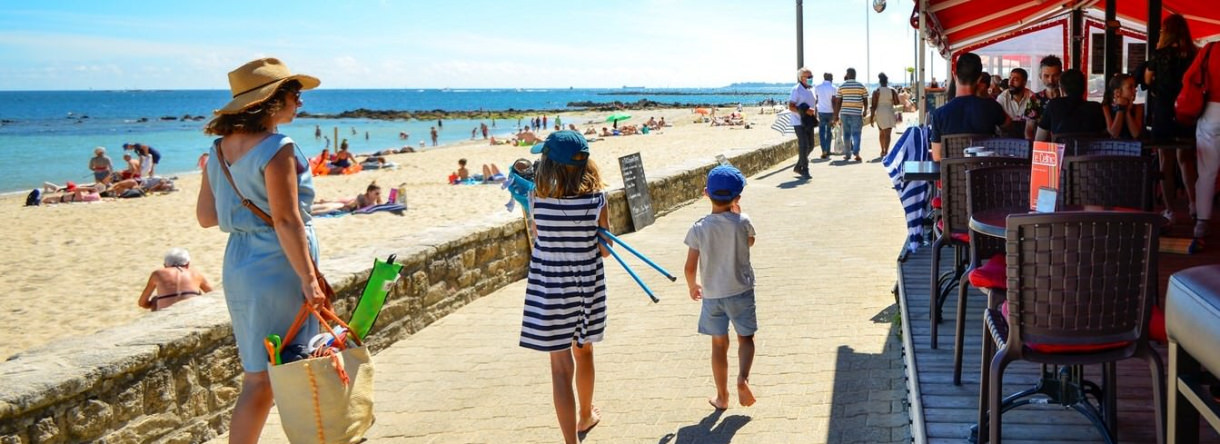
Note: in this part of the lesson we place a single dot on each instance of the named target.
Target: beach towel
(395, 208)
(913, 145)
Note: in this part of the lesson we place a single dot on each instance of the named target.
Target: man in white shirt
(803, 105)
(825, 94)
(1015, 101)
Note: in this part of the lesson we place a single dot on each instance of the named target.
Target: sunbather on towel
(370, 197)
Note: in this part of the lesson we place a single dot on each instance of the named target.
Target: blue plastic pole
(646, 260)
(631, 272)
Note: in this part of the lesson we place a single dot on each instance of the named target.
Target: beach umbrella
(783, 123)
(703, 111)
(616, 117)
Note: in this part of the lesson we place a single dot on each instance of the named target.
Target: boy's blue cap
(725, 183)
(566, 147)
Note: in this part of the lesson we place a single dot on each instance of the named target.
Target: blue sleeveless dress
(262, 291)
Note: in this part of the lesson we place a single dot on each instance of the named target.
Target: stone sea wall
(173, 377)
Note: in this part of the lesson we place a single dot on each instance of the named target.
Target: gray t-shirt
(723, 241)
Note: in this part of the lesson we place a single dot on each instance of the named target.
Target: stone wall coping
(64, 370)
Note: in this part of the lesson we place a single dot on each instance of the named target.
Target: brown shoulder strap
(224, 166)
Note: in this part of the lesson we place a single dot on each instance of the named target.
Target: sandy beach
(79, 268)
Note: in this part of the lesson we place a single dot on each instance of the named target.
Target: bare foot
(720, 403)
(590, 421)
(744, 395)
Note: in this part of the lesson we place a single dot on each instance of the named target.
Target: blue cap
(566, 147)
(725, 183)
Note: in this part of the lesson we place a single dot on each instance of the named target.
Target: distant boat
(633, 87)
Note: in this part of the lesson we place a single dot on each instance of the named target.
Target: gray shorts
(716, 314)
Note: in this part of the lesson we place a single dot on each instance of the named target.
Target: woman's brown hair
(1175, 32)
(555, 180)
(256, 118)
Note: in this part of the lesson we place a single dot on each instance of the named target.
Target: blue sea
(50, 135)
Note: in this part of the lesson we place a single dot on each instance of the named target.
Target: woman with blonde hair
(269, 269)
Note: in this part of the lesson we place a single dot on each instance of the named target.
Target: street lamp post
(800, 35)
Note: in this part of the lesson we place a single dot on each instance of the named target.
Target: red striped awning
(956, 25)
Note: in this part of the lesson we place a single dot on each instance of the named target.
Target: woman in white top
(884, 119)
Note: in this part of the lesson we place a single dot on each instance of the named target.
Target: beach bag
(132, 193)
(34, 198)
(838, 145)
(327, 398)
(1193, 97)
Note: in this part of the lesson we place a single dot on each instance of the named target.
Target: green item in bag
(381, 280)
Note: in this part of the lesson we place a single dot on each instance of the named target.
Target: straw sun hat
(256, 81)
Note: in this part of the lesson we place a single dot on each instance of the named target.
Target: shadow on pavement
(705, 433)
(788, 167)
(868, 391)
(793, 183)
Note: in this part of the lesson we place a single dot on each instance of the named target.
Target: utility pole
(800, 35)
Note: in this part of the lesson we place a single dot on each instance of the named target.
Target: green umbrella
(617, 117)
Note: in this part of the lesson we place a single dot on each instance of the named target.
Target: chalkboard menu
(639, 201)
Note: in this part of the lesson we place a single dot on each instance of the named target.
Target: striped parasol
(783, 123)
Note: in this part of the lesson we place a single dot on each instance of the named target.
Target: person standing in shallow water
(434, 135)
(565, 296)
(267, 269)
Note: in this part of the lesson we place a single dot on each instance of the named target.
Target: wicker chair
(954, 145)
(956, 227)
(1109, 147)
(1071, 141)
(988, 188)
(1110, 181)
(1005, 146)
(1081, 286)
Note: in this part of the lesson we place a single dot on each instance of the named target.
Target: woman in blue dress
(268, 271)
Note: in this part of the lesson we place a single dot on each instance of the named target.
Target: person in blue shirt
(967, 112)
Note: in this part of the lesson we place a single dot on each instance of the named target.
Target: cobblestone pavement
(828, 365)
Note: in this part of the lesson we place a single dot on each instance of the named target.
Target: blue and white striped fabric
(783, 123)
(913, 145)
(565, 294)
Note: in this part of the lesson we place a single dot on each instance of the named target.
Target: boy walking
(720, 247)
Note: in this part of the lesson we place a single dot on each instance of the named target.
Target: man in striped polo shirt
(850, 103)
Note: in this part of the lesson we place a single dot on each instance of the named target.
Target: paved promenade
(828, 365)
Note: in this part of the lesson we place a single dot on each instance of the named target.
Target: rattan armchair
(1081, 286)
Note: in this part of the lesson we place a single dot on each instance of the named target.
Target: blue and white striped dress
(565, 298)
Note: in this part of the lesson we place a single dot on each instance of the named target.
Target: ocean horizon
(50, 135)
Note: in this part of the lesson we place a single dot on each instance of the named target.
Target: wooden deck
(944, 413)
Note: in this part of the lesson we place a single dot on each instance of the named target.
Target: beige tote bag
(327, 399)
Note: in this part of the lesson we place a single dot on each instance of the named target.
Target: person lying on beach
(145, 184)
(174, 282)
(48, 187)
(370, 197)
(76, 194)
(606, 132)
(590, 132)
(528, 136)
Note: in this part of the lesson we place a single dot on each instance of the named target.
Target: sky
(83, 45)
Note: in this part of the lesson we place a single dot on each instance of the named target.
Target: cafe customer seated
(1071, 113)
(967, 112)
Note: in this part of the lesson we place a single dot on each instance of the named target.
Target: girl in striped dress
(565, 299)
